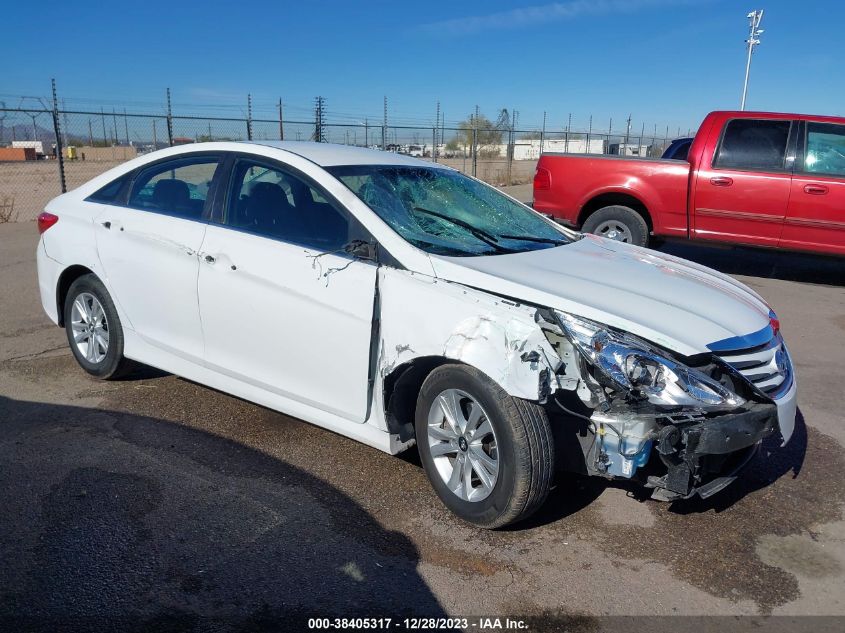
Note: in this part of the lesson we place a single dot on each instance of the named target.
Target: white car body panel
(287, 319)
(631, 288)
(464, 325)
(151, 264)
(476, 310)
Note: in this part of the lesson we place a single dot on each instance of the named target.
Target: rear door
(284, 307)
(742, 195)
(815, 218)
(149, 251)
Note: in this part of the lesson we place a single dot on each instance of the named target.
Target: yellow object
(70, 152)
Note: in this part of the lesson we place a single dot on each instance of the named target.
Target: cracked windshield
(446, 213)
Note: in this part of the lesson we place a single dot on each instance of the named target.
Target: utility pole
(281, 122)
(319, 131)
(754, 19)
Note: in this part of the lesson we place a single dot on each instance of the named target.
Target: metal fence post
(281, 123)
(434, 148)
(249, 117)
(169, 121)
(58, 131)
(542, 135)
(475, 144)
(384, 127)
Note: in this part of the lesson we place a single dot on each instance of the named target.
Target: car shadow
(760, 262)
(115, 521)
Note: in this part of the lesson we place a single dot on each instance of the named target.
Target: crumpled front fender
(421, 316)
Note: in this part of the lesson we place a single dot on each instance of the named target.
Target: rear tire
(93, 329)
(619, 223)
(513, 454)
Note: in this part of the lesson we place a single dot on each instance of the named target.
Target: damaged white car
(397, 301)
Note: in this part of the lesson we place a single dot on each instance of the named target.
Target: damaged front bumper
(679, 455)
(705, 457)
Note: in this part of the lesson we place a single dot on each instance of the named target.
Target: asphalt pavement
(153, 503)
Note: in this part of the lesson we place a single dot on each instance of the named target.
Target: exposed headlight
(633, 365)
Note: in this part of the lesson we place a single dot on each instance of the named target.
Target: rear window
(110, 192)
(753, 144)
(825, 152)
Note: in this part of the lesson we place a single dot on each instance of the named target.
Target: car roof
(332, 154)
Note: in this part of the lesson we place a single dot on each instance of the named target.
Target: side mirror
(361, 249)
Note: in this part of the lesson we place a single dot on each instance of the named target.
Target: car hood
(667, 300)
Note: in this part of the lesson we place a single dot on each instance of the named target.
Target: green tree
(488, 132)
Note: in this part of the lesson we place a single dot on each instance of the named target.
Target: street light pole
(754, 19)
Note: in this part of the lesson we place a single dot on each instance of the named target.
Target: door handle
(721, 181)
(815, 190)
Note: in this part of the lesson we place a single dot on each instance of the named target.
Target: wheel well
(68, 276)
(610, 199)
(401, 388)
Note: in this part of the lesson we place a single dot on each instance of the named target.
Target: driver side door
(284, 308)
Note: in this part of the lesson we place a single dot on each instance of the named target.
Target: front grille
(767, 366)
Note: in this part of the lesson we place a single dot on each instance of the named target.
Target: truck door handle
(721, 181)
(815, 190)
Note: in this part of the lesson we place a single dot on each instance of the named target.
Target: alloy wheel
(90, 328)
(463, 445)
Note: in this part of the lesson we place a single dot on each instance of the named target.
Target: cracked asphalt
(154, 503)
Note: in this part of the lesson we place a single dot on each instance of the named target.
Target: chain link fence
(46, 151)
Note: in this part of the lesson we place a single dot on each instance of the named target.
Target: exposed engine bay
(679, 426)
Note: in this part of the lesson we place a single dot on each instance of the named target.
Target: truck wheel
(489, 456)
(619, 223)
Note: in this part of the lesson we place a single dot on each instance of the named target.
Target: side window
(825, 153)
(178, 187)
(753, 144)
(274, 203)
(110, 192)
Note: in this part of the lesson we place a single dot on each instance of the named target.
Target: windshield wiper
(481, 234)
(528, 238)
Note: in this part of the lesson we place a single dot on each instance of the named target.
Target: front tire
(93, 329)
(489, 456)
(619, 223)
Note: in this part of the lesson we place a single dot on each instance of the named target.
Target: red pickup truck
(758, 178)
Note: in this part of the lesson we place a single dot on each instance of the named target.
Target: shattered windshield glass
(446, 213)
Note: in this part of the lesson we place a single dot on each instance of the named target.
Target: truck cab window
(753, 144)
(825, 149)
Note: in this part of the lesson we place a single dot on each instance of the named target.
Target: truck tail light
(542, 179)
(46, 220)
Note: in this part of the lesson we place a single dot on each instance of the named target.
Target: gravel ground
(156, 504)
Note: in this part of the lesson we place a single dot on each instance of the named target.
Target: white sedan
(397, 301)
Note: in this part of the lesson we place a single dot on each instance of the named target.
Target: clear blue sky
(666, 62)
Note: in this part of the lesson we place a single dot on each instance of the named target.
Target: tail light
(46, 220)
(542, 179)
